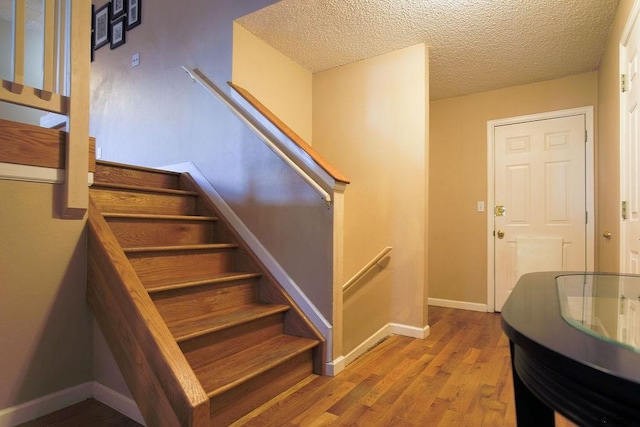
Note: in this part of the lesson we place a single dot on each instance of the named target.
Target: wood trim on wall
(323, 163)
(36, 146)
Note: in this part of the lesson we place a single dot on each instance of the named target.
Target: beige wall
(45, 325)
(458, 176)
(608, 155)
(369, 121)
(282, 85)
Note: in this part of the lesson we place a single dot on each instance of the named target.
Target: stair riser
(221, 344)
(122, 201)
(119, 175)
(201, 300)
(140, 233)
(173, 267)
(233, 404)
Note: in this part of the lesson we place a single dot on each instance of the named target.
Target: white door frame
(624, 38)
(590, 186)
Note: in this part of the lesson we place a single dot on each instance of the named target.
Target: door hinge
(586, 136)
(623, 83)
(624, 209)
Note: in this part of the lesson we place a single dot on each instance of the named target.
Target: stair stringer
(156, 371)
(296, 320)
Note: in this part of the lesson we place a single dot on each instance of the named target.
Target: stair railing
(265, 135)
(364, 270)
(320, 175)
(64, 88)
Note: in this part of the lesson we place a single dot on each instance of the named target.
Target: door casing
(589, 183)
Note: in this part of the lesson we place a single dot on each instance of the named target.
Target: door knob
(500, 234)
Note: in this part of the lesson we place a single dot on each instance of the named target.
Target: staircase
(193, 318)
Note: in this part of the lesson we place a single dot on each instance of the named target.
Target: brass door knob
(607, 235)
(500, 234)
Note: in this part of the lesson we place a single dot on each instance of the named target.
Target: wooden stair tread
(222, 375)
(142, 249)
(186, 329)
(222, 278)
(116, 215)
(129, 187)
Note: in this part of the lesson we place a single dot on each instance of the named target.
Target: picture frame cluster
(112, 20)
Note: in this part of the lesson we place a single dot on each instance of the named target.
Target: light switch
(480, 205)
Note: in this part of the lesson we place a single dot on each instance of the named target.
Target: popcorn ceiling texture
(475, 45)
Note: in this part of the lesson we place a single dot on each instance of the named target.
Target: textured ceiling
(475, 45)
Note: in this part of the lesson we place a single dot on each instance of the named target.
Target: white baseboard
(410, 331)
(117, 401)
(338, 365)
(44, 405)
(463, 305)
(367, 344)
(334, 367)
(14, 415)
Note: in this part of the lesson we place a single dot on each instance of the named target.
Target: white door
(630, 158)
(540, 197)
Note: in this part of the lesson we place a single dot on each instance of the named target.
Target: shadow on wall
(48, 344)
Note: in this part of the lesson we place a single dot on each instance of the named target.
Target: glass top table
(604, 306)
(575, 347)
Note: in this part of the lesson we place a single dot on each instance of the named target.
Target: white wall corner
(117, 401)
(462, 305)
(336, 366)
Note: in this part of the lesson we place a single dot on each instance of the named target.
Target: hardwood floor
(458, 376)
(86, 413)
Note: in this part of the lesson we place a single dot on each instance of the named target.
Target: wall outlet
(135, 59)
(480, 206)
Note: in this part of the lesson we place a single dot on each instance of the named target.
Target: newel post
(76, 191)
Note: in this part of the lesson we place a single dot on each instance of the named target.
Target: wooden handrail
(158, 375)
(324, 164)
(197, 77)
(366, 268)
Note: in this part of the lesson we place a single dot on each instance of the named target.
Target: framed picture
(118, 7)
(101, 26)
(117, 32)
(93, 32)
(134, 13)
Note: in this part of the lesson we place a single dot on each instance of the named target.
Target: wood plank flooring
(458, 376)
(86, 413)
